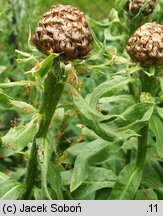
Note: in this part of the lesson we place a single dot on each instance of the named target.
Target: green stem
(142, 146)
(53, 88)
(142, 140)
(31, 171)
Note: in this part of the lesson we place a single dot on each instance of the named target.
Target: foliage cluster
(105, 138)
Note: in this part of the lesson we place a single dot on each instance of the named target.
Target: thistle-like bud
(135, 5)
(63, 29)
(146, 44)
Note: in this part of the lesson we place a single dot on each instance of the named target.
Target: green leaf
(66, 177)
(121, 99)
(18, 138)
(3, 177)
(18, 104)
(157, 128)
(121, 4)
(159, 192)
(19, 83)
(88, 134)
(94, 173)
(26, 57)
(4, 96)
(161, 83)
(38, 194)
(54, 180)
(97, 42)
(146, 194)
(135, 113)
(23, 106)
(98, 178)
(108, 88)
(85, 108)
(46, 65)
(94, 152)
(24, 54)
(127, 183)
(130, 144)
(136, 124)
(11, 190)
(154, 179)
(92, 119)
(76, 149)
(160, 111)
(89, 187)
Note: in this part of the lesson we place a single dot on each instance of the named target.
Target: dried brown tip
(146, 44)
(135, 5)
(63, 29)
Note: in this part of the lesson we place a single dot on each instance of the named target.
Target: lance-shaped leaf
(135, 117)
(98, 178)
(94, 121)
(10, 102)
(3, 177)
(127, 183)
(11, 190)
(120, 99)
(91, 118)
(23, 83)
(24, 56)
(54, 179)
(43, 68)
(157, 128)
(108, 88)
(18, 138)
(92, 153)
(146, 194)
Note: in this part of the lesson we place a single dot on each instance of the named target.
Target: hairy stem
(53, 88)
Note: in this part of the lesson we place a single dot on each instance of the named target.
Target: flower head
(63, 29)
(146, 44)
(135, 5)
